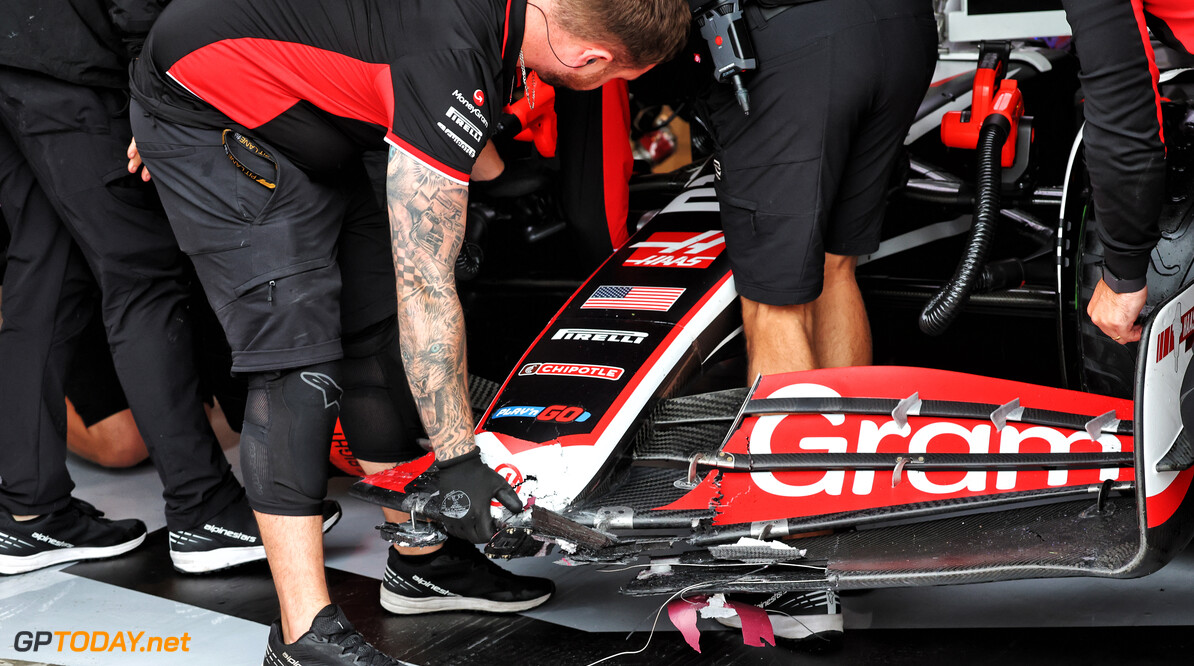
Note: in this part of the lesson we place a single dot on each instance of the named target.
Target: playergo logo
(599, 335)
(554, 413)
(572, 370)
(678, 249)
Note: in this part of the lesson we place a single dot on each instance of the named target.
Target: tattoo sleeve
(427, 216)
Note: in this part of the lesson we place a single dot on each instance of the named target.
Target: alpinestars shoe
(77, 531)
(228, 539)
(457, 577)
(797, 616)
(330, 641)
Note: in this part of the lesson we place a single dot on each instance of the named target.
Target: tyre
(1107, 367)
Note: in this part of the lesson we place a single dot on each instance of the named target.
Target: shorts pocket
(188, 186)
(287, 272)
(770, 253)
(131, 190)
(283, 312)
(256, 168)
(737, 212)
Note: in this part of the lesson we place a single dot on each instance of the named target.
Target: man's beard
(572, 79)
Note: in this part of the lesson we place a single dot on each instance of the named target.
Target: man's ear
(592, 54)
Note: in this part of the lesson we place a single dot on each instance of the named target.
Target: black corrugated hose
(944, 307)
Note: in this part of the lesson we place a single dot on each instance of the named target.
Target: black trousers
(63, 177)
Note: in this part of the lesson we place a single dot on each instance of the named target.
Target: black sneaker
(331, 640)
(228, 539)
(76, 532)
(804, 617)
(457, 577)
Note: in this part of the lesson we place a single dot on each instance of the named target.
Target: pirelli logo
(600, 335)
(464, 123)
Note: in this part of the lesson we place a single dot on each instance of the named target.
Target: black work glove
(466, 486)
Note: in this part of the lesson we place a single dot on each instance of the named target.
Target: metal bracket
(909, 406)
(1012, 411)
(1104, 492)
(412, 534)
(690, 481)
(765, 529)
(741, 412)
(898, 474)
(611, 517)
(1100, 424)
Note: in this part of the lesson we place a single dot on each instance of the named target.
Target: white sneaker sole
(396, 603)
(330, 521)
(795, 628)
(15, 564)
(208, 561)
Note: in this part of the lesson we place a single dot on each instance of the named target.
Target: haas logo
(510, 473)
(479, 97)
(512, 476)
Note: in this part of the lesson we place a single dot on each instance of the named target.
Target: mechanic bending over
(259, 112)
(802, 181)
(1124, 142)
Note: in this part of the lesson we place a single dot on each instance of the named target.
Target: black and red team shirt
(323, 80)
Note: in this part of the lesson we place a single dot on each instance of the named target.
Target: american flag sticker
(659, 299)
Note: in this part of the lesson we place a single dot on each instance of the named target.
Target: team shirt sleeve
(443, 109)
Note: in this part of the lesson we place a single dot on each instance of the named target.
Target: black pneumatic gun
(723, 27)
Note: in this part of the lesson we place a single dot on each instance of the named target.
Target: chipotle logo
(572, 370)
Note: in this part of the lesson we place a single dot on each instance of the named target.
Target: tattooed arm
(427, 215)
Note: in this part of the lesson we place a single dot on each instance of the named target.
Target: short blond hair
(648, 31)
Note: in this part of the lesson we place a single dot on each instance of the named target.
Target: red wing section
(756, 496)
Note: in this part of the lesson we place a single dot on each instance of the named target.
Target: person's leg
(47, 300)
(275, 289)
(380, 420)
(113, 441)
(381, 423)
(99, 423)
(119, 226)
(777, 172)
(284, 451)
(842, 333)
(382, 427)
(778, 338)
(900, 49)
(294, 548)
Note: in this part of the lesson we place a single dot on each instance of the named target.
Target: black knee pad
(381, 422)
(289, 418)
